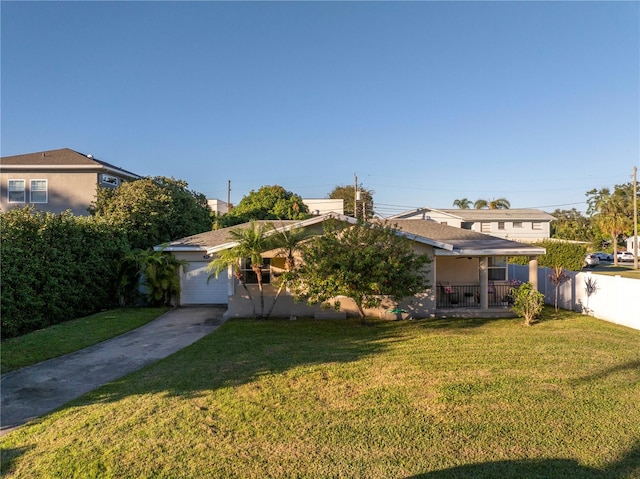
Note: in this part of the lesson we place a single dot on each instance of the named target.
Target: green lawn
(330, 399)
(72, 335)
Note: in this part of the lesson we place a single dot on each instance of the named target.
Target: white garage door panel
(196, 290)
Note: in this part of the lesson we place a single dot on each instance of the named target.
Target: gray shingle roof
(454, 241)
(64, 157)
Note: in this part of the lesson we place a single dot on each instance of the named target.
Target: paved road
(36, 390)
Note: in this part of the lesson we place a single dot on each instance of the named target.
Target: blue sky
(427, 102)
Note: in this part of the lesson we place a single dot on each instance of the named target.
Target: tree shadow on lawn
(243, 350)
(628, 466)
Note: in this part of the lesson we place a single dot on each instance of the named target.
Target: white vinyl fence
(612, 298)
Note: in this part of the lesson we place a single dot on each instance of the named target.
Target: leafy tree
(364, 262)
(252, 242)
(152, 211)
(463, 203)
(528, 302)
(494, 204)
(268, 203)
(612, 212)
(346, 193)
(571, 225)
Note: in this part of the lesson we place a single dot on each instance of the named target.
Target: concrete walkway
(36, 390)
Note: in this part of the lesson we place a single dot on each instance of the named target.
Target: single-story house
(468, 273)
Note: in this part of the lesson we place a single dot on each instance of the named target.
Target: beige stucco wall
(418, 306)
(69, 190)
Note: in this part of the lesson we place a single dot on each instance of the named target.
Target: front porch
(463, 301)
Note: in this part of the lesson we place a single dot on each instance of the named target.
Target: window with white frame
(536, 225)
(38, 191)
(497, 268)
(500, 225)
(517, 224)
(485, 227)
(16, 191)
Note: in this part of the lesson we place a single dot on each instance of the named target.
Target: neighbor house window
(485, 227)
(497, 268)
(38, 191)
(16, 191)
(467, 225)
(536, 225)
(250, 276)
(500, 225)
(517, 224)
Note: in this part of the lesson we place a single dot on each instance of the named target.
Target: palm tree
(494, 204)
(251, 243)
(611, 217)
(463, 203)
(288, 243)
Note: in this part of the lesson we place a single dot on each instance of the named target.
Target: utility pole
(228, 195)
(635, 218)
(355, 196)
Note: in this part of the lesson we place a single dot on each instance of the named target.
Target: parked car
(625, 256)
(602, 256)
(591, 260)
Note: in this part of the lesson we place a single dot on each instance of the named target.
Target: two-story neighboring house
(518, 224)
(56, 180)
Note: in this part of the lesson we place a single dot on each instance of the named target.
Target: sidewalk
(36, 390)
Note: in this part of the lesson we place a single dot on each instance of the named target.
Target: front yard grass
(398, 399)
(72, 335)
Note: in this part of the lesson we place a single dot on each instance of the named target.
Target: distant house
(322, 206)
(56, 180)
(317, 206)
(519, 224)
(219, 207)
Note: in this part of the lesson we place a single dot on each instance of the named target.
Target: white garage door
(196, 290)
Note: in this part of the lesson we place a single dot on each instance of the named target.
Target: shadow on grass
(633, 366)
(8, 457)
(627, 467)
(243, 350)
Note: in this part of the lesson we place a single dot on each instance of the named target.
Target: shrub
(527, 302)
(569, 256)
(55, 267)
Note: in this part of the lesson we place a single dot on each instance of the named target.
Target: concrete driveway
(36, 390)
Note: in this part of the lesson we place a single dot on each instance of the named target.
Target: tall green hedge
(559, 253)
(55, 267)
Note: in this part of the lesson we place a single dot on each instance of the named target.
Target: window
(250, 276)
(485, 227)
(16, 191)
(517, 224)
(497, 268)
(38, 191)
(109, 180)
(500, 225)
(467, 225)
(536, 225)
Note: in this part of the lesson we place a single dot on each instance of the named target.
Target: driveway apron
(35, 390)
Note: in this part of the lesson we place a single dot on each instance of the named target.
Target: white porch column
(484, 282)
(533, 271)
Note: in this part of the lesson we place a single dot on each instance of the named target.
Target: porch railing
(468, 295)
